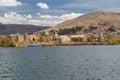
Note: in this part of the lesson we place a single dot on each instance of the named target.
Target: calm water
(60, 63)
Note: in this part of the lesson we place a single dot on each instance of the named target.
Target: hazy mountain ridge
(6, 29)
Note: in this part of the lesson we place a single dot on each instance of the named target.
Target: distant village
(49, 39)
(81, 39)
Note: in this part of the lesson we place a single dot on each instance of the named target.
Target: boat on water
(34, 45)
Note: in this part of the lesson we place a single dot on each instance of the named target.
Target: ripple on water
(60, 63)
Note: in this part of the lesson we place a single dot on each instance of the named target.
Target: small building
(62, 39)
(78, 38)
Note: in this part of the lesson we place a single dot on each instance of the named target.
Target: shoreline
(63, 45)
(80, 44)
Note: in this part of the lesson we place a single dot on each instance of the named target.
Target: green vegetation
(68, 31)
(52, 32)
(91, 28)
(102, 24)
(111, 29)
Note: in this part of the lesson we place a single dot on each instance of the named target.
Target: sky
(51, 12)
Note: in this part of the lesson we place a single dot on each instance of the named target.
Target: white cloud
(29, 16)
(42, 5)
(39, 19)
(51, 20)
(14, 18)
(46, 16)
(10, 3)
(70, 16)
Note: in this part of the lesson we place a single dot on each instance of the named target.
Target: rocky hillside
(6, 29)
(95, 22)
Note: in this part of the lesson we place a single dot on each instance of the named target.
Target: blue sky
(51, 12)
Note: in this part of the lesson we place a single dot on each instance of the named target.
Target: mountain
(6, 29)
(94, 22)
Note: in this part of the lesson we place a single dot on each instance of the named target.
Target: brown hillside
(101, 20)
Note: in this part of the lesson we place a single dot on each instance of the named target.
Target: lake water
(60, 63)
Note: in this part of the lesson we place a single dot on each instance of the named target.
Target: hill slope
(92, 23)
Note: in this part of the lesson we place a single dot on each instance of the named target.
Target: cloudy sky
(50, 12)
